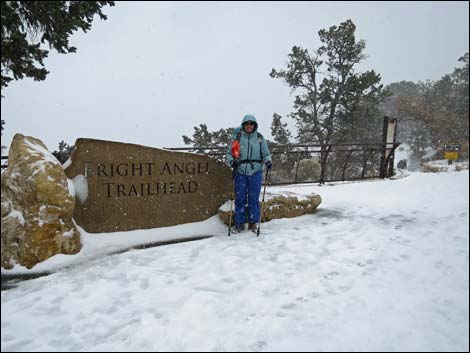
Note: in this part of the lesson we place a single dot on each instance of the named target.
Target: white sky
(154, 70)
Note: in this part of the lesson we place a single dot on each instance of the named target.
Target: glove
(269, 165)
(234, 163)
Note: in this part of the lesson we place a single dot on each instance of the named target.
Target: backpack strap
(251, 161)
(260, 140)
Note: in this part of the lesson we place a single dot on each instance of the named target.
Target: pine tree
(27, 25)
(64, 152)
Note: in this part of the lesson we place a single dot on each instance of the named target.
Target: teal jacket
(253, 147)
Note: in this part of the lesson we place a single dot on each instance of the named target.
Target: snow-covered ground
(381, 266)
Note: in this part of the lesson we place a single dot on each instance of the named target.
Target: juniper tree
(284, 161)
(279, 130)
(203, 138)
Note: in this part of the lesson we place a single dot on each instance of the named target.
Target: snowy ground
(382, 265)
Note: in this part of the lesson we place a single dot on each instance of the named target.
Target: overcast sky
(154, 70)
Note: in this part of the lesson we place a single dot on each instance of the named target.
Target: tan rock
(37, 207)
(285, 205)
(428, 168)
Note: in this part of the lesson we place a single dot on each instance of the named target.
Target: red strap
(236, 149)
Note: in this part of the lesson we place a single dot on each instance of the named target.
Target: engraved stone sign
(121, 186)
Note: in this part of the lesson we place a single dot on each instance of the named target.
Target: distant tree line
(432, 113)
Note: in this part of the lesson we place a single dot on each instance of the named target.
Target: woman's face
(249, 126)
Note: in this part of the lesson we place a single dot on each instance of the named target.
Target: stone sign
(121, 186)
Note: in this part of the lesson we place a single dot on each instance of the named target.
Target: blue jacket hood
(250, 117)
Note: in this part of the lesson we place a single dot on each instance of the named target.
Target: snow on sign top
(129, 186)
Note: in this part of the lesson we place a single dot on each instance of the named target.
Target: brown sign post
(389, 138)
(121, 186)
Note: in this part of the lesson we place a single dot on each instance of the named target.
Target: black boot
(253, 227)
(238, 228)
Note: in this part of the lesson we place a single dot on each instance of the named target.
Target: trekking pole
(262, 202)
(231, 203)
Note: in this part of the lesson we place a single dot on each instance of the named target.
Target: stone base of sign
(286, 205)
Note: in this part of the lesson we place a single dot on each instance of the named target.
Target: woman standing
(247, 154)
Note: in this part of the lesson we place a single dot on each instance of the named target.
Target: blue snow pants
(247, 185)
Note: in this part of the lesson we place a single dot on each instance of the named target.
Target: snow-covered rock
(280, 205)
(442, 165)
(37, 206)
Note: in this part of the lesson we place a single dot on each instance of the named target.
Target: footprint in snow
(301, 299)
(330, 275)
(144, 284)
(288, 306)
(257, 346)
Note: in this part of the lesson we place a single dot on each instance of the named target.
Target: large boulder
(37, 206)
(280, 205)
